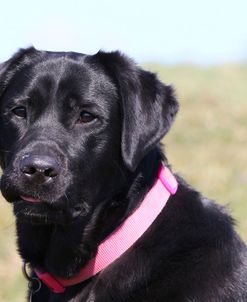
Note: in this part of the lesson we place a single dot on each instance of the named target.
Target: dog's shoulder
(201, 220)
(201, 246)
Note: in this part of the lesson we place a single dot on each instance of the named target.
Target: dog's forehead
(79, 78)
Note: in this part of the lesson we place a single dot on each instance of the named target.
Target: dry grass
(207, 145)
(11, 282)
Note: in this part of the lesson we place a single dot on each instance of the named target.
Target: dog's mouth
(33, 210)
(30, 199)
(37, 205)
(30, 209)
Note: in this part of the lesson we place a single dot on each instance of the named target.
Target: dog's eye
(85, 117)
(20, 111)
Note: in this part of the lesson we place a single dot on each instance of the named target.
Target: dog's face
(72, 127)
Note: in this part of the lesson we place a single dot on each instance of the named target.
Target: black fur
(190, 253)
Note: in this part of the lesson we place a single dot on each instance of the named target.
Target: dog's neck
(64, 250)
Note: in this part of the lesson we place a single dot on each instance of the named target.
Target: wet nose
(39, 168)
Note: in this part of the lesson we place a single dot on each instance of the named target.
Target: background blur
(198, 46)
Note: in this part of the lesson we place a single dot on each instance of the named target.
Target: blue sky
(188, 31)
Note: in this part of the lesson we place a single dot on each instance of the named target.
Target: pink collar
(123, 237)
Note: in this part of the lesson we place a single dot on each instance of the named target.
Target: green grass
(206, 145)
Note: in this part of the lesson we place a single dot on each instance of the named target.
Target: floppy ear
(148, 106)
(10, 67)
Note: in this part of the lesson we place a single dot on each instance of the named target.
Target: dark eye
(85, 117)
(20, 111)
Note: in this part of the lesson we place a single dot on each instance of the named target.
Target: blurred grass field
(207, 146)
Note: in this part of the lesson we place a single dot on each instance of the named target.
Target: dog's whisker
(6, 151)
(66, 196)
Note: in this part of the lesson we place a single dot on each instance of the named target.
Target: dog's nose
(39, 168)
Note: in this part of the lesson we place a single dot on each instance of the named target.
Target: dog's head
(72, 127)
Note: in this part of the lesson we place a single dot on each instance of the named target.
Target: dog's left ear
(148, 106)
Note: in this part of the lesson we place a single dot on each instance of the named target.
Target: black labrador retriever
(79, 150)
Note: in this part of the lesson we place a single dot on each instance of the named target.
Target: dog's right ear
(10, 67)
